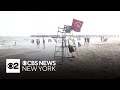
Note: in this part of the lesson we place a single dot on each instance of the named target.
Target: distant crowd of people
(86, 41)
(38, 42)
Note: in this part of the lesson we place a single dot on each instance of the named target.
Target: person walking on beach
(85, 41)
(88, 40)
(79, 44)
(32, 41)
(43, 40)
(37, 41)
(43, 43)
(15, 43)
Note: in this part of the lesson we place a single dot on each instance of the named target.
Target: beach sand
(96, 61)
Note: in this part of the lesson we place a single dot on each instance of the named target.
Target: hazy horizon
(26, 23)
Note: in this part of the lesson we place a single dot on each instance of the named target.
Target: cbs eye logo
(12, 65)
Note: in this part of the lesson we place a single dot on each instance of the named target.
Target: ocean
(10, 41)
(32, 47)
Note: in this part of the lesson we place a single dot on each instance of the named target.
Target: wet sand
(96, 61)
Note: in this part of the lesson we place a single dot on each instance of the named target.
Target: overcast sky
(25, 23)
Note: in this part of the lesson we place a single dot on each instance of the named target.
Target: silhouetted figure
(43, 40)
(32, 41)
(88, 40)
(85, 41)
(102, 39)
(79, 44)
(15, 43)
(105, 39)
(37, 41)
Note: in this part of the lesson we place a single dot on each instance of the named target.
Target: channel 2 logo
(12, 65)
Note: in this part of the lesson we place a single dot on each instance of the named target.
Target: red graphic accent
(76, 25)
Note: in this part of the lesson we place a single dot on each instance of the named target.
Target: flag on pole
(68, 28)
(76, 25)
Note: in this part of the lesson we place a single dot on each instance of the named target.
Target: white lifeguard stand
(61, 50)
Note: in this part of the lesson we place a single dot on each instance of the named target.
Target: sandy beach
(37, 38)
(96, 61)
